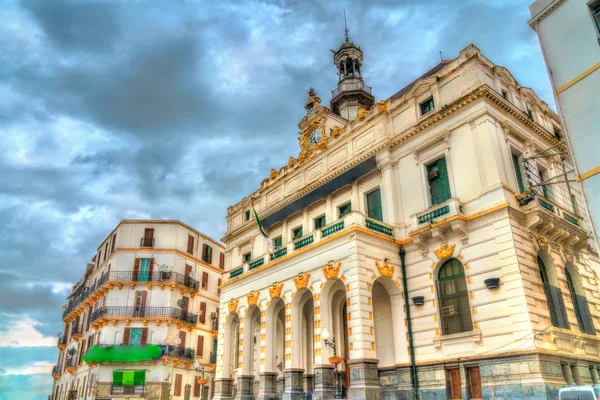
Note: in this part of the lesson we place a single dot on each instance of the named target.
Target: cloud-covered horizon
(176, 110)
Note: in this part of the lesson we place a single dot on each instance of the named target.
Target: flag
(262, 230)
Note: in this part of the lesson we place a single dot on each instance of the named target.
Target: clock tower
(351, 93)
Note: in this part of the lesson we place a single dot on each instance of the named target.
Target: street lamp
(201, 380)
(335, 360)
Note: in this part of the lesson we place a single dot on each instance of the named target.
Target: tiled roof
(427, 74)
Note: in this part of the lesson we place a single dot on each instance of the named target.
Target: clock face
(314, 137)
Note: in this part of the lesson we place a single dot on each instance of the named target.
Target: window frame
(131, 335)
(247, 215)
(438, 199)
(594, 9)
(247, 257)
(347, 205)
(207, 254)
(427, 102)
(298, 229)
(278, 242)
(456, 297)
(518, 171)
(319, 222)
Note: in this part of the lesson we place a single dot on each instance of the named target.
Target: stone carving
(275, 290)
(292, 162)
(445, 251)
(331, 271)
(337, 131)
(253, 298)
(301, 281)
(542, 243)
(385, 269)
(233, 305)
(381, 106)
(361, 115)
(273, 174)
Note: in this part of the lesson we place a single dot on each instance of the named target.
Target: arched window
(556, 305)
(580, 306)
(454, 298)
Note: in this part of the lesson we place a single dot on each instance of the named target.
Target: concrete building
(569, 34)
(414, 236)
(150, 295)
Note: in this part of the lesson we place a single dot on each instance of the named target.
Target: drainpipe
(415, 379)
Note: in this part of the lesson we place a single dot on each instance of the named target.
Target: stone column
(355, 197)
(567, 374)
(223, 389)
(306, 226)
(280, 386)
(595, 378)
(293, 384)
(309, 384)
(267, 386)
(245, 387)
(329, 214)
(324, 382)
(364, 380)
(388, 193)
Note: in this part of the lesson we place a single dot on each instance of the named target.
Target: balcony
(351, 220)
(439, 222)
(124, 390)
(213, 358)
(76, 332)
(147, 313)
(350, 86)
(71, 364)
(147, 242)
(57, 371)
(62, 343)
(72, 394)
(180, 352)
(546, 217)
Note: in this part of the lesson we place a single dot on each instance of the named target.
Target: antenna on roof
(345, 26)
(441, 59)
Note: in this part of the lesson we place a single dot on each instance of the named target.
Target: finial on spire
(346, 26)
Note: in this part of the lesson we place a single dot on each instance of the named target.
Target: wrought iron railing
(71, 361)
(333, 228)
(147, 312)
(347, 86)
(57, 369)
(62, 341)
(133, 389)
(147, 242)
(213, 358)
(180, 351)
(155, 276)
(76, 329)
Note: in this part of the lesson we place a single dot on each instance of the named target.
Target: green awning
(97, 354)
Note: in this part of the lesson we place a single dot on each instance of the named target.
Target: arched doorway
(554, 298)
(251, 348)
(303, 337)
(579, 300)
(390, 333)
(334, 318)
(231, 346)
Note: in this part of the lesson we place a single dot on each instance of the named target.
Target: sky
(176, 110)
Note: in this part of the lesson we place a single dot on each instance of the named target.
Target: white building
(416, 233)
(569, 34)
(150, 283)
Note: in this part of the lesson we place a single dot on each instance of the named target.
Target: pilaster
(267, 386)
(364, 380)
(324, 379)
(223, 389)
(294, 389)
(245, 387)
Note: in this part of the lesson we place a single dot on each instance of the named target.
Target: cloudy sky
(174, 109)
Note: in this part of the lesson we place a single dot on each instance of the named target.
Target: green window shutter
(320, 222)
(139, 377)
(544, 187)
(439, 186)
(277, 242)
(298, 233)
(517, 166)
(374, 205)
(345, 209)
(118, 378)
(128, 378)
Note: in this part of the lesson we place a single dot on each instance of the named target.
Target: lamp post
(202, 380)
(335, 360)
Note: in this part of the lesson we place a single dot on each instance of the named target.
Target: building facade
(413, 240)
(143, 317)
(569, 34)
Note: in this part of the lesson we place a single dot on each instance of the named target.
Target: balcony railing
(549, 205)
(71, 362)
(256, 263)
(348, 86)
(57, 369)
(76, 330)
(213, 358)
(147, 242)
(147, 312)
(139, 389)
(72, 394)
(352, 219)
(180, 351)
(446, 209)
(62, 341)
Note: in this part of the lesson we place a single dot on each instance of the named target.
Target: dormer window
(426, 106)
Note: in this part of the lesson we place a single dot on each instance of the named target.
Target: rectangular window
(204, 280)
(202, 316)
(574, 204)
(222, 260)
(439, 186)
(190, 244)
(177, 391)
(517, 166)
(135, 336)
(544, 177)
(529, 112)
(207, 254)
(277, 242)
(557, 133)
(374, 205)
(320, 222)
(453, 384)
(219, 287)
(247, 215)
(297, 233)
(114, 242)
(148, 239)
(426, 106)
(247, 257)
(129, 378)
(105, 251)
(345, 209)
(595, 10)
(505, 94)
(474, 383)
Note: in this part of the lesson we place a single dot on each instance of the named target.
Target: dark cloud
(112, 110)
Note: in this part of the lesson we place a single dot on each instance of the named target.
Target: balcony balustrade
(213, 358)
(76, 331)
(147, 242)
(352, 219)
(118, 312)
(62, 342)
(57, 371)
(180, 352)
(124, 390)
(350, 86)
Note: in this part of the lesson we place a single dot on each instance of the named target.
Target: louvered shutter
(475, 382)
(203, 312)
(455, 383)
(190, 244)
(150, 270)
(144, 340)
(83, 350)
(210, 252)
(196, 388)
(136, 269)
(177, 385)
(200, 346)
(204, 280)
(126, 335)
(222, 260)
(586, 316)
(203, 252)
(114, 241)
(559, 307)
(183, 337)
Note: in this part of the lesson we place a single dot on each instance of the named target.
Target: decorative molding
(381, 106)
(233, 304)
(253, 298)
(445, 251)
(385, 269)
(331, 271)
(301, 281)
(275, 290)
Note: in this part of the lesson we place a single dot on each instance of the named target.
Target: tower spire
(346, 26)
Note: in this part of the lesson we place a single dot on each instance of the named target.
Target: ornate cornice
(545, 12)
